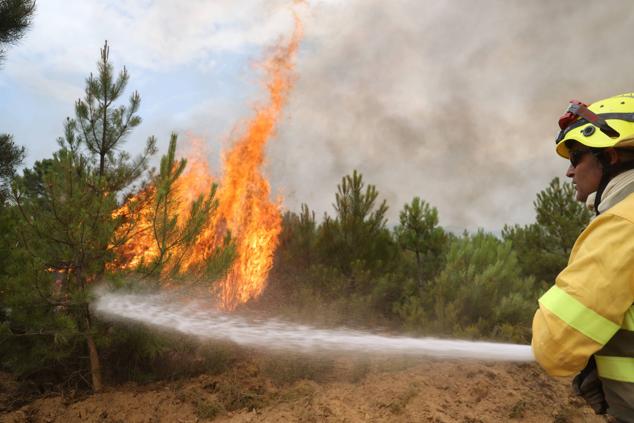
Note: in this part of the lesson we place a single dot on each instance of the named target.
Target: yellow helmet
(605, 123)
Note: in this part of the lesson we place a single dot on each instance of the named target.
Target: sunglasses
(576, 156)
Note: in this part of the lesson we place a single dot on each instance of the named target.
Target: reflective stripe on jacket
(615, 365)
(588, 311)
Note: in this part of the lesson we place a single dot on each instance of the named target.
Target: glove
(588, 385)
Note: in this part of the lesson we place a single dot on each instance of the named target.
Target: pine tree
(543, 247)
(15, 18)
(11, 157)
(68, 227)
(175, 235)
(298, 239)
(561, 216)
(358, 229)
(356, 241)
(481, 291)
(419, 233)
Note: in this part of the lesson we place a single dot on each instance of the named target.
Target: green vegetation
(15, 18)
(61, 225)
(351, 269)
(544, 246)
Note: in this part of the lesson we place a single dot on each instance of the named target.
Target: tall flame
(244, 206)
(244, 192)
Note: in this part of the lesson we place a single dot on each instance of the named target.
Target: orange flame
(244, 207)
(244, 192)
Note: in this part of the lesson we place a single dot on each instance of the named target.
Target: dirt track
(390, 391)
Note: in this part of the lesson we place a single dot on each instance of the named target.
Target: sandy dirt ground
(386, 391)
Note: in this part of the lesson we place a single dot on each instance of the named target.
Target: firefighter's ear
(612, 155)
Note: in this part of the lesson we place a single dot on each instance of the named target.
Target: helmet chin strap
(605, 179)
(609, 171)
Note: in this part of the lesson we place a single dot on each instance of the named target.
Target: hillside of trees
(59, 228)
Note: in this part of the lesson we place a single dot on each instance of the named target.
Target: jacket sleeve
(590, 298)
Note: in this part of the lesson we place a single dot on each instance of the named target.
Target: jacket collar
(617, 189)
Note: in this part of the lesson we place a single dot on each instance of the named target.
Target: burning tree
(70, 219)
(244, 207)
(92, 211)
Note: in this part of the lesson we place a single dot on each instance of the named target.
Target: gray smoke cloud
(453, 101)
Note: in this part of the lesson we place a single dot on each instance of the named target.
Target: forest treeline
(354, 268)
(61, 223)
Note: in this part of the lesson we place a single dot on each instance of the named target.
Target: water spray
(196, 319)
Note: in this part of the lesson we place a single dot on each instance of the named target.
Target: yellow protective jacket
(589, 309)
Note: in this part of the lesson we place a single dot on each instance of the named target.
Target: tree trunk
(95, 365)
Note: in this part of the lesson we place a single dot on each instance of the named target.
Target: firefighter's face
(585, 170)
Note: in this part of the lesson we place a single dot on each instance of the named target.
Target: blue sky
(453, 101)
(193, 65)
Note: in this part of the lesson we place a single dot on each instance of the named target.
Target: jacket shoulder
(623, 209)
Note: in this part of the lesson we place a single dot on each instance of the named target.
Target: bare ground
(343, 390)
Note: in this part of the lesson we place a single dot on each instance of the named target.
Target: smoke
(456, 102)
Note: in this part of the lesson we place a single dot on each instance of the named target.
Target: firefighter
(585, 322)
